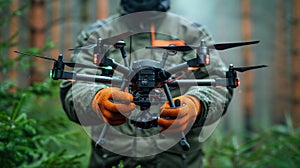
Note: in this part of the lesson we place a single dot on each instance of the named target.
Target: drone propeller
(114, 39)
(34, 55)
(69, 64)
(224, 46)
(247, 68)
(220, 46)
(107, 41)
(78, 65)
(87, 47)
(173, 48)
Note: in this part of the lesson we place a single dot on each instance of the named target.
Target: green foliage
(58, 159)
(31, 133)
(31, 138)
(121, 165)
(276, 147)
(34, 135)
(14, 126)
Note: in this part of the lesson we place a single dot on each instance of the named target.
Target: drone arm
(59, 74)
(218, 82)
(122, 69)
(195, 82)
(193, 63)
(183, 142)
(181, 67)
(116, 66)
(97, 79)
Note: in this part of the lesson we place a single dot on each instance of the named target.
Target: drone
(146, 75)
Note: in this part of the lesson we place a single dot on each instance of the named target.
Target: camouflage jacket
(144, 147)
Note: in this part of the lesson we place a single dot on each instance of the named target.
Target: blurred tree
(26, 141)
(37, 36)
(103, 9)
(248, 60)
(13, 33)
(281, 97)
(296, 61)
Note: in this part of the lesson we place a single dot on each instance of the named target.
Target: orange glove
(180, 117)
(113, 105)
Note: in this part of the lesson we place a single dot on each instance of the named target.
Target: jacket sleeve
(214, 101)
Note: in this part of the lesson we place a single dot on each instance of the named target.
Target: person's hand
(175, 120)
(113, 105)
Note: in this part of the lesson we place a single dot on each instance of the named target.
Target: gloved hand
(113, 105)
(179, 118)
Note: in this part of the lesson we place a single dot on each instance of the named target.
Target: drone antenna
(164, 59)
(166, 55)
(121, 45)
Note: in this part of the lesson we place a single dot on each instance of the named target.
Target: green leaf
(17, 107)
(48, 45)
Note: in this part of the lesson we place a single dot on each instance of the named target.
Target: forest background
(260, 129)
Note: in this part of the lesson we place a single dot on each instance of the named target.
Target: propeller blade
(87, 47)
(224, 46)
(107, 41)
(173, 48)
(114, 39)
(34, 55)
(78, 65)
(221, 46)
(247, 68)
